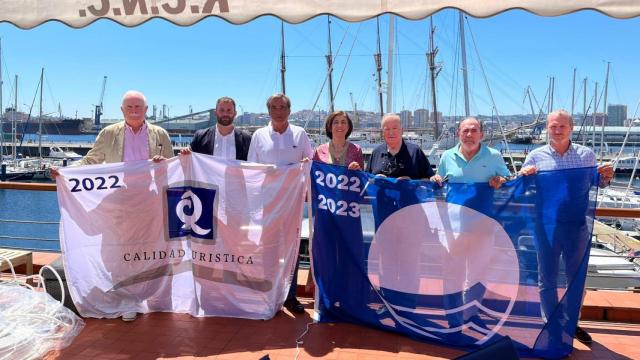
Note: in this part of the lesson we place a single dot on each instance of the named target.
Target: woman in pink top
(339, 151)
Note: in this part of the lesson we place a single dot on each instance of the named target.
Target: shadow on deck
(614, 323)
(179, 336)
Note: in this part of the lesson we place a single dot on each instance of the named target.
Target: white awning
(79, 13)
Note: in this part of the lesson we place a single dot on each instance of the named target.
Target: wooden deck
(612, 318)
(176, 336)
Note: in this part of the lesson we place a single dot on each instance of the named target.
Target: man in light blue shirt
(470, 161)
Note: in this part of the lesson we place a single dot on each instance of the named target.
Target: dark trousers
(291, 295)
(550, 252)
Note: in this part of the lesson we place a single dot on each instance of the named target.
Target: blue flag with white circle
(462, 264)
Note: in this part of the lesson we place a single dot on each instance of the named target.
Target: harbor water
(29, 219)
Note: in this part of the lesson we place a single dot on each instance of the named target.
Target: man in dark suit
(222, 139)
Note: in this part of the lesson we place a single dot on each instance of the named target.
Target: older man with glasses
(397, 158)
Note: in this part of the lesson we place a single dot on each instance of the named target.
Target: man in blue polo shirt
(470, 161)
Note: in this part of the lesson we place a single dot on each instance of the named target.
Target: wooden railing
(618, 213)
(27, 186)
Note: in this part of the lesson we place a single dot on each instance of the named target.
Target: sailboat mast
(13, 125)
(40, 117)
(573, 93)
(584, 97)
(1, 108)
(434, 70)
(584, 110)
(330, 65)
(528, 94)
(283, 67)
(593, 117)
(392, 36)
(605, 118)
(463, 53)
(549, 101)
(378, 59)
(552, 88)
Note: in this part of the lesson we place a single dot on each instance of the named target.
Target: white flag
(194, 234)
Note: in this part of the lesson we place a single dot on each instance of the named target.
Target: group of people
(282, 143)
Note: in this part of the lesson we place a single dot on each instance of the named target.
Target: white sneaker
(129, 316)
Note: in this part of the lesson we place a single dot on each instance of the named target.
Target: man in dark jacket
(222, 139)
(397, 158)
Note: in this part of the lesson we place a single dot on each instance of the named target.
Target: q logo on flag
(190, 213)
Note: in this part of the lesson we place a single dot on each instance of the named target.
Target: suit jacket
(204, 139)
(109, 145)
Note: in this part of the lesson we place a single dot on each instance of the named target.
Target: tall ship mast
(392, 22)
(283, 67)
(330, 66)
(378, 59)
(434, 70)
(463, 54)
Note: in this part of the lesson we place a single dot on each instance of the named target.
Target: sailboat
(11, 168)
(18, 167)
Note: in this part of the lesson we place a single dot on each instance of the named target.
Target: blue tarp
(461, 264)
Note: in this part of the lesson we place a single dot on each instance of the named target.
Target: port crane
(98, 112)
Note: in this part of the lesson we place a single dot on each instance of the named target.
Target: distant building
(432, 122)
(420, 118)
(405, 118)
(244, 119)
(617, 114)
(628, 122)
(600, 119)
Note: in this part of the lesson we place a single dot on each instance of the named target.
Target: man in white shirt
(223, 139)
(281, 143)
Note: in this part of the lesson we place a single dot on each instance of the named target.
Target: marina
(327, 56)
(610, 316)
(72, 148)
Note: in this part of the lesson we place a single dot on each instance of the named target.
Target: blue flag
(463, 264)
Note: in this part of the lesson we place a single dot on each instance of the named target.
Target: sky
(190, 67)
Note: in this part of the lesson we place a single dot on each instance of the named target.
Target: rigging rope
(26, 123)
(504, 136)
(326, 78)
(344, 69)
(453, 99)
